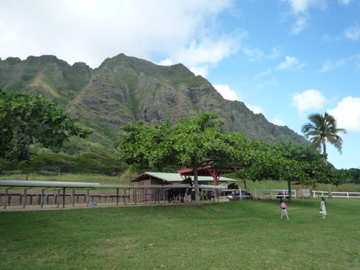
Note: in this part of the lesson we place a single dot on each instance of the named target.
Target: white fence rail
(283, 193)
(270, 193)
(337, 194)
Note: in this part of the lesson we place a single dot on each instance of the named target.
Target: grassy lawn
(232, 235)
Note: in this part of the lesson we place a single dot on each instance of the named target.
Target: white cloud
(347, 114)
(264, 73)
(344, 2)
(302, 22)
(230, 94)
(301, 10)
(257, 55)
(328, 38)
(353, 32)
(255, 108)
(278, 122)
(271, 82)
(207, 51)
(289, 63)
(254, 54)
(166, 62)
(302, 6)
(329, 65)
(275, 53)
(200, 70)
(308, 100)
(226, 92)
(91, 31)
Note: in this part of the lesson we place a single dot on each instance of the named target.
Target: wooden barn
(160, 178)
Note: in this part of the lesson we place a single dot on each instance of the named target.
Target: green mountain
(124, 90)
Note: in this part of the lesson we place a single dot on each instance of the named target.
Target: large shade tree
(193, 143)
(322, 129)
(27, 119)
(286, 161)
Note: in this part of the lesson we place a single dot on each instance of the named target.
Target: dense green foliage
(197, 142)
(232, 235)
(27, 119)
(193, 143)
(354, 175)
(292, 163)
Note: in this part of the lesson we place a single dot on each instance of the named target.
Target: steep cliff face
(125, 89)
(46, 75)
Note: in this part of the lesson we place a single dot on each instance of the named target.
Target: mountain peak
(126, 89)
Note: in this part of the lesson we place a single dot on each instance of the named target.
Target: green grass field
(231, 235)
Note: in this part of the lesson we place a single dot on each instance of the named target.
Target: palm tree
(323, 129)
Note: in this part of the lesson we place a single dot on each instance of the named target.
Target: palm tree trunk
(326, 163)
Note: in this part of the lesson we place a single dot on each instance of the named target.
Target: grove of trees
(198, 141)
(30, 119)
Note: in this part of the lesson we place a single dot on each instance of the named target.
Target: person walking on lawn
(283, 209)
(323, 207)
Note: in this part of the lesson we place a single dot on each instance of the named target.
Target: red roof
(208, 170)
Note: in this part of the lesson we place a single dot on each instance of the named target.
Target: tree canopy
(193, 142)
(322, 129)
(27, 119)
(287, 161)
(198, 141)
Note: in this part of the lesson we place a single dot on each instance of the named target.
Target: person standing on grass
(283, 209)
(323, 207)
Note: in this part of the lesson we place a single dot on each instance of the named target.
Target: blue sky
(285, 59)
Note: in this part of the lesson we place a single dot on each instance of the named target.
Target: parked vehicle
(281, 195)
(235, 196)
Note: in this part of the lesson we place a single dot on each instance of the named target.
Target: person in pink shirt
(283, 209)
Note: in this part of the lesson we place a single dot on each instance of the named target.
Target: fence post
(64, 198)
(6, 197)
(73, 197)
(42, 197)
(25, 197)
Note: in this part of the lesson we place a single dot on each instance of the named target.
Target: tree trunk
(289, 190)
(196, 183)
(326, 163)
(329, 191)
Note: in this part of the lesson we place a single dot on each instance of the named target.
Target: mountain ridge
(123, 90)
